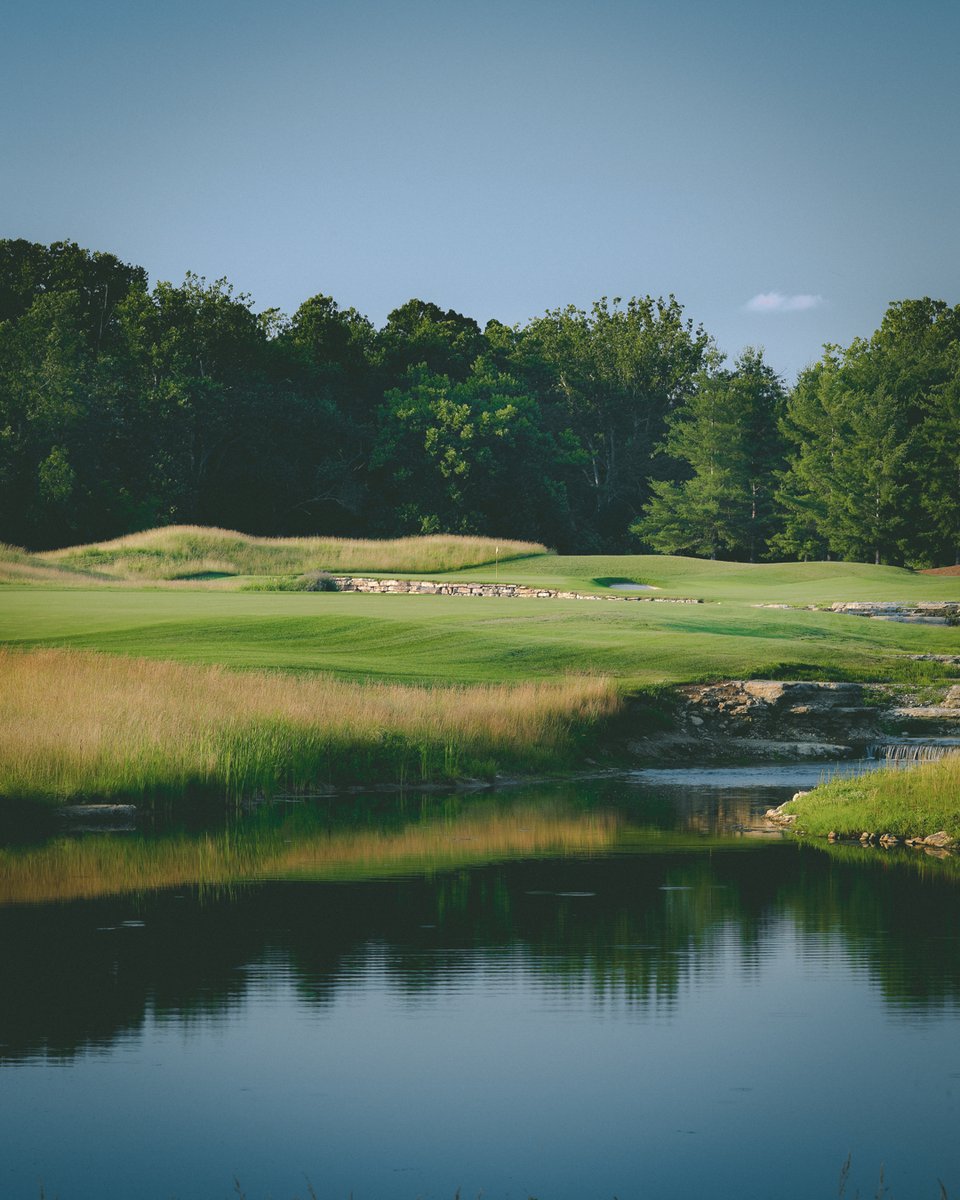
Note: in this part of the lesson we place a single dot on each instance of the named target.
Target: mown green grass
(197, 557)
(752, 583)
(437, 639)
(909, 803)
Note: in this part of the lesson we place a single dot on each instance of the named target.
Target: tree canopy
(611, 428)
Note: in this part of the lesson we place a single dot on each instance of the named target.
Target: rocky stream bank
(742, 720)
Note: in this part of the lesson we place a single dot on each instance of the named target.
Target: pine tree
(939, 451)
(726, 435)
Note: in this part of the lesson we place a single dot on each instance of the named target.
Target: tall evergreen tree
(939, 450)
(726, 438)
(864, 468)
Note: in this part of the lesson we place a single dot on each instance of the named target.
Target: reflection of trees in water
(898, 914)
(75, 977)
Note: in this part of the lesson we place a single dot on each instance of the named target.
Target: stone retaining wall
(922, 610)
(509, 591)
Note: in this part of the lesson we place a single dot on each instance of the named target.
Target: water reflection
(365, 838)
(566, 991)
(595, 904)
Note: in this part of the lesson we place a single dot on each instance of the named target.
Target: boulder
(941, 840)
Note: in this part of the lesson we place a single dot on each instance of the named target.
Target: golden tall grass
(178, 551)
(18, 567)
(77, 724)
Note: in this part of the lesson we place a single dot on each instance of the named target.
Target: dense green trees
(123, 407)
(873, 433)
(607, 381)
(459, 456)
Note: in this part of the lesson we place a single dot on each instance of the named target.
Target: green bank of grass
(79, 725)
(907, 803)
(441, 640)
(750, 583)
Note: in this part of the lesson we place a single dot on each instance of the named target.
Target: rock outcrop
(939, 612)
(792, 710)
(743, 719)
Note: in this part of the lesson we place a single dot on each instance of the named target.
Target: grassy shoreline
(74, 725)
(915, 802)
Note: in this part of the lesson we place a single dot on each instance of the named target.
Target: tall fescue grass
(907, 803)
(17, 566)
(180, 551)
(75, 725)
(82, 868)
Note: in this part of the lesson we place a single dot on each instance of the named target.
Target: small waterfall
(909, 750)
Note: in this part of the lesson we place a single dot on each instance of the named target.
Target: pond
(619, 987)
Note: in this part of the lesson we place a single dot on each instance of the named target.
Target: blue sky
(785, 171)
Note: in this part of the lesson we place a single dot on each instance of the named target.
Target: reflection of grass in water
(927, 863)
(308, 843)
(76, 724)
(916, 801)
(69, 869)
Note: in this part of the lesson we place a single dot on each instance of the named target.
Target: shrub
(319, 581)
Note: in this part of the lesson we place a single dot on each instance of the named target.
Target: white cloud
(777, 302)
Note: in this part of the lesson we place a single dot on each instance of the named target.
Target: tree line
(620, 428)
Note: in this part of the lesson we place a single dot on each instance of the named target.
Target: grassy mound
(19, 567)
(909, 803)
(194, 556)
(191, 551)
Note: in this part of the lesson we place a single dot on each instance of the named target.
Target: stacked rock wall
(510, 591)
(931, 611)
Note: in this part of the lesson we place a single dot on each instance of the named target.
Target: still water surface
(610, 988)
